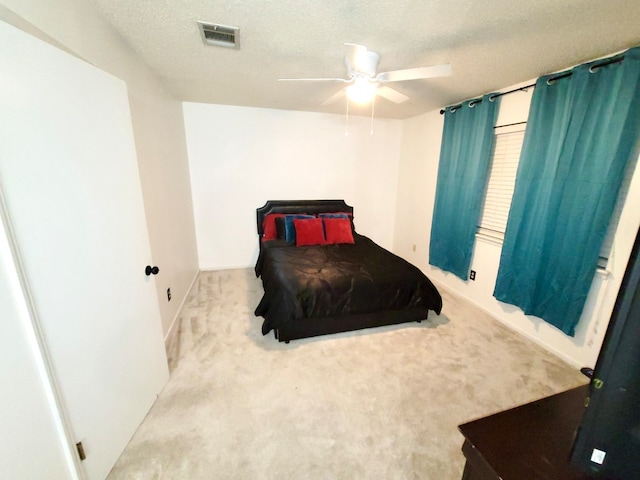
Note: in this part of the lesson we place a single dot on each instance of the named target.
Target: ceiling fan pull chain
(346, 122)
(373, 103)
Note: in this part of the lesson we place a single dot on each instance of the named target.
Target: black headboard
(300, 206)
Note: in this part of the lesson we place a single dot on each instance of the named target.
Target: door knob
(151, 270)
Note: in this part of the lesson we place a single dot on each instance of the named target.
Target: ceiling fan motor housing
(367, 63)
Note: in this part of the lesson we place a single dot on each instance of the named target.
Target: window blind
(607, 245)
(502, 178)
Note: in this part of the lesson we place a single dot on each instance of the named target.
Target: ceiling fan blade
(391, 94)
(344, 80)
(335, 97)
(443, 70)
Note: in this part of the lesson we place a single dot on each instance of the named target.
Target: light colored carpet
(381, 403)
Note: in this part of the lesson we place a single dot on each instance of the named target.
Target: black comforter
(336, 280)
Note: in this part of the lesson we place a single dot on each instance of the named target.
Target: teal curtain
(583, 127)
(465, 157)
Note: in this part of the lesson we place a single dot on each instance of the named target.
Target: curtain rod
(592, 69)
(496, 95)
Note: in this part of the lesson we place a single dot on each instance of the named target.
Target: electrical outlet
(414, 247)
(472, 275)
(168, 294)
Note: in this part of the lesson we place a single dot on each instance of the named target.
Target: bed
(334, 281)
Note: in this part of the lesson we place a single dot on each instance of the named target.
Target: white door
(70, 179)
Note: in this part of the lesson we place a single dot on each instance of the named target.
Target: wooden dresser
(530, 442)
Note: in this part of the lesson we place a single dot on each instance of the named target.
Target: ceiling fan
(365, 83)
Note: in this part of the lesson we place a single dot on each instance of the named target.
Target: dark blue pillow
(290, 228)
(338, 215)
(333, 215)
(280, 228)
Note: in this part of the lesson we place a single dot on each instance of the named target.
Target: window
(502, 179)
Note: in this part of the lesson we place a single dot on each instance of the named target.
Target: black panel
(611, 421)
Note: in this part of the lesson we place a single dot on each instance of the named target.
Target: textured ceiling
(491, 44)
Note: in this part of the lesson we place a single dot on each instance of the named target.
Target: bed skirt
(312, 327)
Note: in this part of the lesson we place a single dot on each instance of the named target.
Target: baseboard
(174, 322)
(227, 267)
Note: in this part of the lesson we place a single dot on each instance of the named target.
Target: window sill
(489, 238)
(497, 239)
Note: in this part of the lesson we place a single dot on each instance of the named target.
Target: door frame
(39, 351)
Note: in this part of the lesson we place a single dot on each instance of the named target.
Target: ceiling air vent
(220, 35)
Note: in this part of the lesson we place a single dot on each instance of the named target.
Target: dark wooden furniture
(530, 442)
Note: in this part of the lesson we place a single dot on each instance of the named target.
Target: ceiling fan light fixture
(362, 91)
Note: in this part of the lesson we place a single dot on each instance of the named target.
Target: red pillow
(338, 230)
(269, 226)
(309, 231)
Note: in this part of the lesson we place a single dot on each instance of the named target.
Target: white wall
(158, 130)
(241, 157)
(418, 173)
